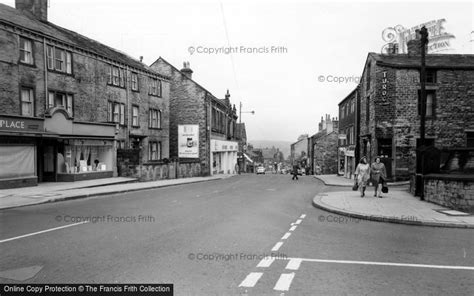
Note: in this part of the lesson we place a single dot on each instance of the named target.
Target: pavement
(213, 238)
(397, 206)
(60, 191)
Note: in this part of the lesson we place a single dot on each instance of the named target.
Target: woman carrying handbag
(362, 175)
(379, 177)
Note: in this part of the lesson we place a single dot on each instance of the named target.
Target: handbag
(355, 187)
(384, 188)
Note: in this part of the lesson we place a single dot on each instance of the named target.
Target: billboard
(188, 140)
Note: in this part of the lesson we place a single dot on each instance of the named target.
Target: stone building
(389, 106)
(212, 120)
(347, 157)
(324, 147)
(299, 151)
(67, 102)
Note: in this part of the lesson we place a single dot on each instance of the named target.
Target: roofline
(203, 88)
(350, 94)
(74, 45)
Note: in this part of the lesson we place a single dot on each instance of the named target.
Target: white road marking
(42, 231)
(251, 279)
(287, 235)
(293, 264)
(284, 282)
(383, 263)
(303, 216)
(266, 262)
(293, 228)
(277, 246)
(298, 221)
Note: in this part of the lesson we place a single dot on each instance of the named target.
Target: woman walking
(379, 175)
(362, 175)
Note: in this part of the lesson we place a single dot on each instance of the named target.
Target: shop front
(346, 161)
(224, 157)
(20, 138)
(81, 151)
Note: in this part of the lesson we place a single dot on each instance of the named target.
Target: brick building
(347, 144)
(68, 102)
(214, 120)
(389, 106)
(324, 147)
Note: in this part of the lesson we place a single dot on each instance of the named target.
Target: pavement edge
(317, 203)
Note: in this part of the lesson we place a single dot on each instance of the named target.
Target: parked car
(260, 170)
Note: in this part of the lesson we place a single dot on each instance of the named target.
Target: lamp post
(242, 145)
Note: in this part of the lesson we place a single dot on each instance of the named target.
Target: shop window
(26, 51)
(83, 158)
(59, 59)
(134, 81)
(155, 87)
(154, 150)
(63, 100)
(430, 103)
(27, 101)
(155, 118)
(135, 116)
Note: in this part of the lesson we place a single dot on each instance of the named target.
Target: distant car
(260, 170)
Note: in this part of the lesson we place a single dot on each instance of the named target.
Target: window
(155, 118)
(59, 59)
(26, 51)
(116, 76)
(116, 112)
(469, 139)
(27, 101)
(367, 110)
(63, 100)
(430, 76)
(352, 135)
(352, 106)
(155, 87)
(134, 81)
(343, 111)
(430, 103)
(154, 150)
(134, 115)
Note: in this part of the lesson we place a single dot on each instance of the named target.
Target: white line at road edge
(381, 263)
(277, 246)
(251, 279)
(284, 282)
(42, 231)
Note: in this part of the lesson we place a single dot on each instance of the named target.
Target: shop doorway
(47, 152)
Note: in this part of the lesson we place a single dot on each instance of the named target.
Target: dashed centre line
(294, 264)
(277, 246)
(287, 235)
(298, 221)
(266, 262)
(293, 228)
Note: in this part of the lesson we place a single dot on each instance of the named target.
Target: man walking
(295, 172)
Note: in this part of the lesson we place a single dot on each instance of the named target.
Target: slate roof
(15, 17)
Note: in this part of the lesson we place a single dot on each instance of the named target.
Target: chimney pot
(187, 70)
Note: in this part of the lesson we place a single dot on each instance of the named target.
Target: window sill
(155, 128)
(113, 85)
(60, 72)
(32, 65)
(156, 96)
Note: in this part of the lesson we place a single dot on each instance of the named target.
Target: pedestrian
(295, 172)
(379, 176)
(362, 175)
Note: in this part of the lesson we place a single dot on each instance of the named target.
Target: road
(209, 239)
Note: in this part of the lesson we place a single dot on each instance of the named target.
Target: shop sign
(439, 39)
(10, 123)
(217, 145)
(384, 83)
(188, 141)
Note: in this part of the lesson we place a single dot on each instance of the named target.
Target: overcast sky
(310, 39)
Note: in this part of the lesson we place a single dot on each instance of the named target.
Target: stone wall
(325, 154)
(452, 191)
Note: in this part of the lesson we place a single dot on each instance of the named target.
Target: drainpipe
(45, 58)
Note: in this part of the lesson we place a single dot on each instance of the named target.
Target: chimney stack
(186, 70)
(36, 8)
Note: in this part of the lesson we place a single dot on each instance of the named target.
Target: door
(47, 156)
(385, 153)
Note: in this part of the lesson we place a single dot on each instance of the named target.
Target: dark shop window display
(74, 159)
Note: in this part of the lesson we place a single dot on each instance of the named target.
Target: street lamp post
(242, 146)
